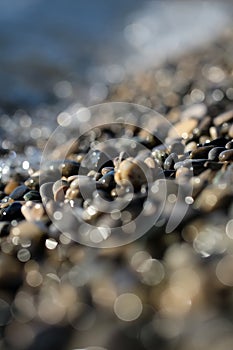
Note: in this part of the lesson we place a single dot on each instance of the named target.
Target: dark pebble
(213, 165)
(106, 181)
(12, 212)
(4, 228)
(58, 184)
(19, 192)
(170, 161)
(219, 142)
(226, 155)
(214, 153)
(69, 168)
(32, 196)
(229, 145)
(201, 152)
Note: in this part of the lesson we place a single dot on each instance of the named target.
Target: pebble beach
(164, 283)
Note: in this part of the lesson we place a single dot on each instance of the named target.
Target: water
(93, 42)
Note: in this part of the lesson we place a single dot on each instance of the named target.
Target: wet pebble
(32, 196)
(4, 228)
(13, 211)
(229, 145)
(131, 172)
(226, 156)
(201, 152)
(19, 192)
(107, 181)
(183, 128)
(69, 168)
(214, 153)
(170, 161)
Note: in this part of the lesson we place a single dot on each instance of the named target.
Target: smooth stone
(223, 118)
(19, 192)
(32, 183)
(107, 181)
(106, 170)
(219, 142)
(201, 152)
(5, 202)
(226, 156)
(203, 127)
(46, 191)
(197, 110)
(59, 194)
(32, 196)
(4, 228)
(84, 184)
(58, 184)
(69, 168)
(94, 174)
(213, 165)
(131, 172)
(214, 153)
(170, 161)
(183, 172)
(230, 132)
(191, 146)
(12, 212)
(183, 128)
(33, 211)
(229, 145)
(10, 186)
(72, 194)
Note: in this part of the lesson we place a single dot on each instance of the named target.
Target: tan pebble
(33, 211)
(183, 128)
(6, 204)
(130, 171)
(59, 194)
(230, 133)
(12, 184)
(72, 193)
(106, 170)
(191, 146)
(27, 230)
(223, 118)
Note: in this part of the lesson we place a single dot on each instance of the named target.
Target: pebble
(201, 152)
(229, 145)
(19, 192)
(183, 128)
(69, 168)
(226, 156)
(11, 185)
(223, 118)
(32, 195)
(4, 228)
(107, 181)
(230, 132)
(214, 153)
(13, 211)
(170, 161)
(46, 191)
(33, 211)
(130, 172)
(59, 194)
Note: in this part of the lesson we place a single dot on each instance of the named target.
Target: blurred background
(74, 49)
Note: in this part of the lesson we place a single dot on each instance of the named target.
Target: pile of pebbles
(171, 290)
